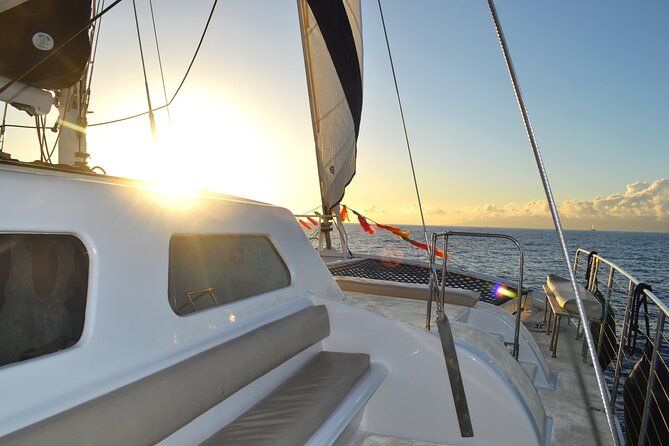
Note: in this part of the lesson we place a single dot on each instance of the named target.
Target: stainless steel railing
(638, 375)
(437, 286)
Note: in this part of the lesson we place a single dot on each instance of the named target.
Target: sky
(594, 76)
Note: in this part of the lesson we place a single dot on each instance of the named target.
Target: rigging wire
(181, 84)
(42, 157)
(59, 47)
(556, 218)
(160, 59)
(169, 103)
(404, 126)
(2, 128)
(68, 101)
(313, 209)
(47, 152)
(98, 28)
(152, 118)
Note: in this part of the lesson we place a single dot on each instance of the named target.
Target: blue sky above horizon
(594, 75)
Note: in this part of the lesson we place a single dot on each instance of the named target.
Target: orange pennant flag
(343, 214)
(395, 230)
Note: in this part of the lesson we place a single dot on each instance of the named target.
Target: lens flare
(500, 290)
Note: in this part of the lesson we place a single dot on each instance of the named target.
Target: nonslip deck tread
(293, 412)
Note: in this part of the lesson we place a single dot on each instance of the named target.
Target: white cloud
(641, 206)
(372, 210)
(641, 201)
(413, 209)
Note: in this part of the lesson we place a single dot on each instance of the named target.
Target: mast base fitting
(82, 160)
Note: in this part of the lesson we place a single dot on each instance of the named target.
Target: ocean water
(643, 255)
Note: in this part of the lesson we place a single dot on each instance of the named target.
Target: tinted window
(210, 270)
(43, 283)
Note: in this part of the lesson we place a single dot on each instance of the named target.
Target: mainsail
(33, 29)
(332, 41)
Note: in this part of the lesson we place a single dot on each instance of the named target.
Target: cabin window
(210, 270)
(43, 283)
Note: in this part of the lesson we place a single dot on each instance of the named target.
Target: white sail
(332, 42)
(9, 4)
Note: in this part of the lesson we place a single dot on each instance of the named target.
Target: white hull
(131, 332)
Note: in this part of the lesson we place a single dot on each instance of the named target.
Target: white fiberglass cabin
(131, 317)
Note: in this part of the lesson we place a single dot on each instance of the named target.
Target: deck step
(293, 412)
(530, 368)
(344, 422)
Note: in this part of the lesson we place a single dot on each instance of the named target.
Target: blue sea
(643, 255)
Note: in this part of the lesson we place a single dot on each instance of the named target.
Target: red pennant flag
(418, 245)
(365, 226)
(313, 221)
(304, 223)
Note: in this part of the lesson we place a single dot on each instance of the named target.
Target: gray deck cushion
(291, 414)
(565, 297)
(148, 410)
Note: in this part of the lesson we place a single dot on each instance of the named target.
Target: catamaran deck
(575, 406)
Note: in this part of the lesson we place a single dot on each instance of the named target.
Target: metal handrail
(440, 287)
(621, 355)
(656, 301)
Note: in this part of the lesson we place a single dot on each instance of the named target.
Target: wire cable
(2, 128)
(42, 156)
(152, 118)
(404, 126)
(47, 151)
(160, 59)
(556, 218)
(181, 84)
(137, 115)
(98, 28)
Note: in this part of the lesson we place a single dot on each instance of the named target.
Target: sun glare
(204, 147)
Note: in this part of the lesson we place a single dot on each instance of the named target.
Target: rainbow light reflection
(500, 290)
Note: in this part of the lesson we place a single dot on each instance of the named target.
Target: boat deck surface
(575, 406)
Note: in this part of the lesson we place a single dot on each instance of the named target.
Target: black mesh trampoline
(401, 272)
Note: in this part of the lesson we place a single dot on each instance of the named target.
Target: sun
(201, 146)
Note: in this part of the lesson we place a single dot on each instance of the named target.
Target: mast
(332, 43)
(325, 226)
(72, 114)
(72, 148)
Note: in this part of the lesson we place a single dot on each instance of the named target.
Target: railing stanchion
(602, 328)
(621, 346)
(442, 284)
(643, 438)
